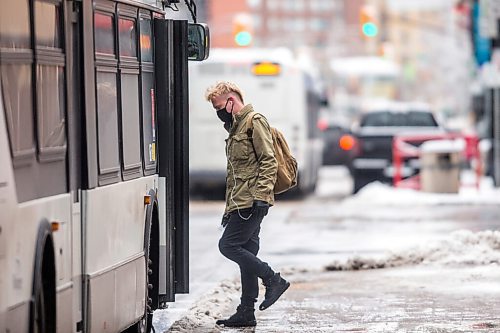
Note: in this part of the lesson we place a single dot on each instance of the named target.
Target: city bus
(93, 175)
(277, 86)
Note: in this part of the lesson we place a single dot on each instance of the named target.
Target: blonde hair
(222, 88)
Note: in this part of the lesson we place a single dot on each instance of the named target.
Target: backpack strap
(250, 129)
(250, 123)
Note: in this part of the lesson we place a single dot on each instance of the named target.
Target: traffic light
(368, 24)
(242, 30)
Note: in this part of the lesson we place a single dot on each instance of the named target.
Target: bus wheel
(151, 250)
(146, 323)
(39, 315)
(43, 301)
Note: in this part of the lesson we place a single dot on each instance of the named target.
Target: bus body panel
(117, 296)
(106, 210)
(115, 257)
(21, 223)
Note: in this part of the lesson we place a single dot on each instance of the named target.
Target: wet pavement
(428, 299)
(301, 238)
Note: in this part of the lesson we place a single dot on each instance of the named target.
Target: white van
(277, 87)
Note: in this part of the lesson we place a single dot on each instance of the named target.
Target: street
(385, 260)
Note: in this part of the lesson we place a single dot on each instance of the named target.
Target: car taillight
(347, 142)
(322, 125)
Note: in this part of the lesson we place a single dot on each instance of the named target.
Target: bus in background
(93, 177)
(277, 87)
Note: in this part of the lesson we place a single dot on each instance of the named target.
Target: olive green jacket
(249, 178)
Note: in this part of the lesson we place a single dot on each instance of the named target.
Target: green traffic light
(370, 29)
(243, 38)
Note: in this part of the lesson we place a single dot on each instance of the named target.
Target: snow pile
(377, 193)
(461, 248)
(203, 314)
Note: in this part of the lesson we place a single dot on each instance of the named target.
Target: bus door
(172, 115)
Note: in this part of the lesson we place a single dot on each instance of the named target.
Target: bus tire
(43, 299)
(151, 250)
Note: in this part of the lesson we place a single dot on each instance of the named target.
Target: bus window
(128, 37)
(148, 94)
(130, 124)
(146, 40)
(148, 121)
(48, 25)
(107, 120)
(50, 111)
(17, 98)
(14, 24)
(104, 31)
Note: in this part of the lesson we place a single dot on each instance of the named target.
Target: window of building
(318, 24)
(254, 3)
(299, 25)
(274, 24)
(273, 4)
(298, 5)
(256, 21)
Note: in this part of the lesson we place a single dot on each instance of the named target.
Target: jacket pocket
(240, 147)
(242, 189)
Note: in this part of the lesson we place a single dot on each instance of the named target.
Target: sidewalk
(415, 299)
(407, 299)
(440, 256)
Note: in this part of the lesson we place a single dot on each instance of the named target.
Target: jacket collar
(240, 116)
(243, 112)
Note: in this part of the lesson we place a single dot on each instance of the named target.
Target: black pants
(240, 243)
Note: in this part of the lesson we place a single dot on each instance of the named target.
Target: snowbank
(380, 194)
(202, 315)
(215, 305)
(462, 248)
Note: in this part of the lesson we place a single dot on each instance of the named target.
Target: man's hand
(260, 208)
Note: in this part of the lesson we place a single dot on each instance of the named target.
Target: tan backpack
(287, 164)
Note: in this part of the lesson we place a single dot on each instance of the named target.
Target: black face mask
(224, 116)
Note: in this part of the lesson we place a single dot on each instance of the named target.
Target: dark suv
(371, 159)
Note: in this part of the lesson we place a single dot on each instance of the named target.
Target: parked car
(371, 157)
(337, 143)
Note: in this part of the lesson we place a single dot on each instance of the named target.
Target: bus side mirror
(198, 41)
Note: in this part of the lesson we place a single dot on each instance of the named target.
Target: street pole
(496, 137)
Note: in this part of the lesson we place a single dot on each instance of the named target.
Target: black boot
(244, 317)
(275, 287)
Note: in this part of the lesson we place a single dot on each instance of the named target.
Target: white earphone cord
(234, 187)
